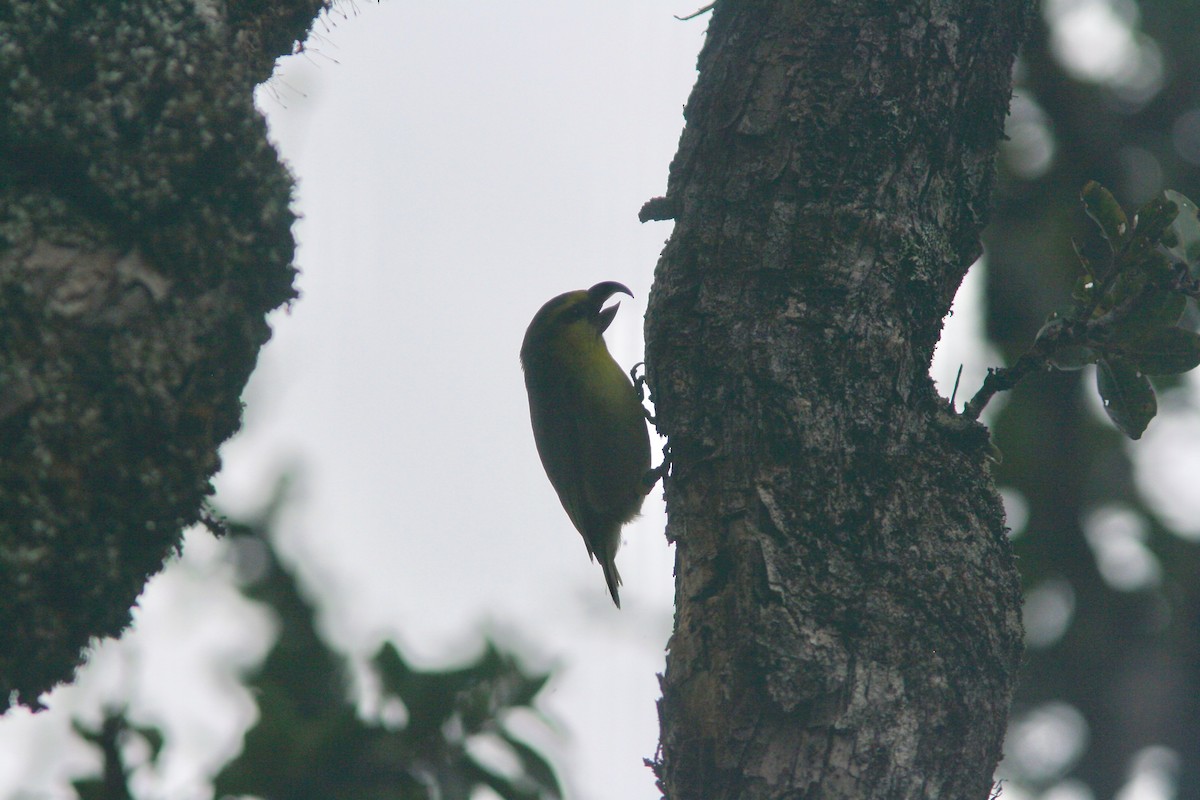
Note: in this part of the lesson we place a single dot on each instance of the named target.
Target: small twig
(1001, 379)
(954, 391)
(1082, 333)
(695, 14)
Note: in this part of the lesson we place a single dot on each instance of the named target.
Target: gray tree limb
(847, 606)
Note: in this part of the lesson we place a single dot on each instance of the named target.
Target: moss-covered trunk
(145, 231)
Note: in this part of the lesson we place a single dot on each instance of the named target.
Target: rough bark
(847, 607)
(144, 234)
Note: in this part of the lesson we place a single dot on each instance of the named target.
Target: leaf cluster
(1127, 305)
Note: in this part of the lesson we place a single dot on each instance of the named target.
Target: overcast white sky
(458, 163)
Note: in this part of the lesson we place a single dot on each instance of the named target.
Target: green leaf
(1186, 229)
(1085, 286)
(1073, 356)
(394, 671)
(1155, 310)
(1162, 308)
(1106, 212)
(1127, 395)
(1153, 221)
(1128, 285)
(153, 737)
(534, 765)
(1167, 351)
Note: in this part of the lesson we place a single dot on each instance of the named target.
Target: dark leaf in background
(1160, 308)
(311, 743)
(1167, 351)
(1186, 228)
(1107, 213)
(1127, 395)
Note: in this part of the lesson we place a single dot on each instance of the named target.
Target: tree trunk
(145, 231)
(847, 605)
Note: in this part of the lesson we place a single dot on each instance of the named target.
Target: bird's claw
(639, 381)
(662, 471)
(639, 386)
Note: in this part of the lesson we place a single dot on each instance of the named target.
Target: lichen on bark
(145, 231)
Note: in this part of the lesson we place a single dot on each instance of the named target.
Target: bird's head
(570, 322)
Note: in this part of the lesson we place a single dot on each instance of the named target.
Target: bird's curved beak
(599, 294)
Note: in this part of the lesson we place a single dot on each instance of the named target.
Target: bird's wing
(614, 451)
(556, 434)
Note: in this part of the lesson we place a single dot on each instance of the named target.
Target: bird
(588, 421)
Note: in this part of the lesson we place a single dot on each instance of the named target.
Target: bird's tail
(613, 578)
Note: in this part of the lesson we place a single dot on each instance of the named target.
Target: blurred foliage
(1106, 90)
(112, 737)
(312, 742)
